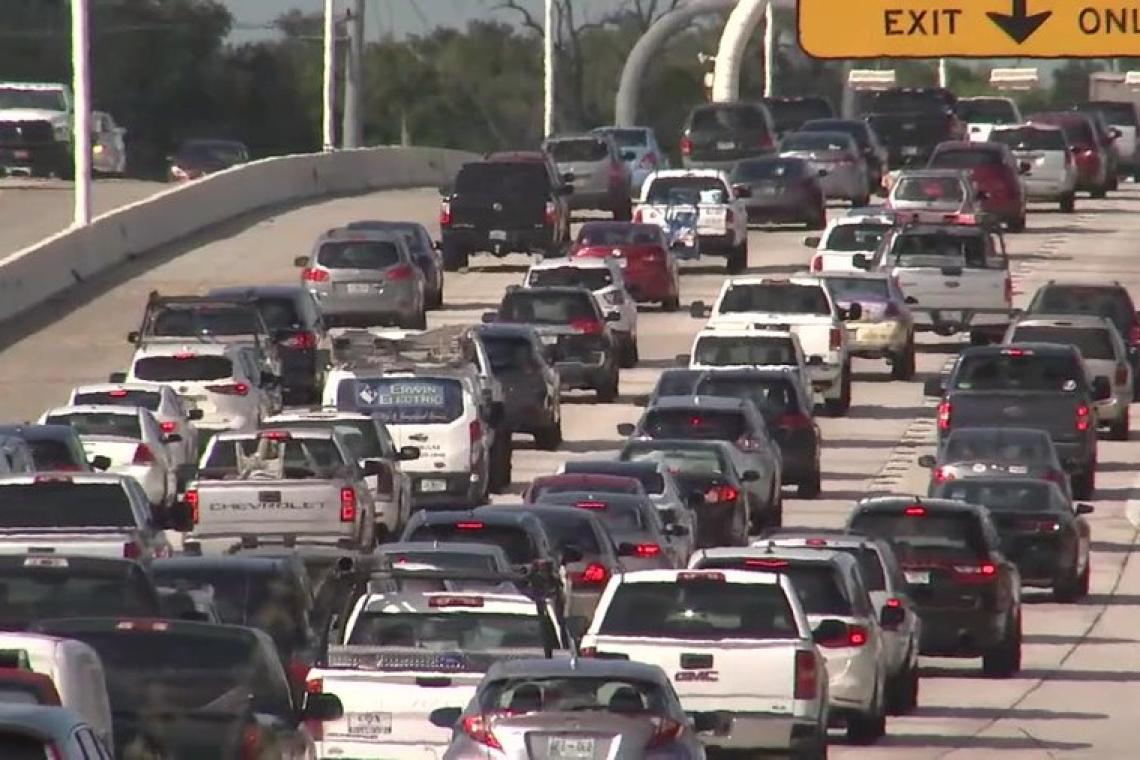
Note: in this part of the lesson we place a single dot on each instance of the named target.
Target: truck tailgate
(954, 287)
(712, 219)
(738, 675)
(814, 332)
(1054, 413)
(88, 543)
(500, 211)
(275, 507)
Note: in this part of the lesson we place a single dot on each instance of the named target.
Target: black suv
(912, 121)
(531, 399)
(718, 135)
(791, 113)
(509, 203)
(577, 334)
(968, 594)
(1111, 301)
(294, 319)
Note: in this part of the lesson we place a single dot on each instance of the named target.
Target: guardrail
(42, 271)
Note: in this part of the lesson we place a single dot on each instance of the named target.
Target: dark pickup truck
(1042, 386)
(910, 122)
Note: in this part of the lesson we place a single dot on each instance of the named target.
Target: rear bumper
(875, 340)
(1049, 188)
(458, 489)
(1039, 562)
(648, 283)
(948, 321)
(37, 158)
(959, 632)
(394, 304)
(760, 731)
(582, 375)
(516, 241)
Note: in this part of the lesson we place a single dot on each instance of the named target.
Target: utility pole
(328, 105)
(352, 134)
(81, 119)
(548, 69)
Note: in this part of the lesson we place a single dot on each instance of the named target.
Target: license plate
(359, 288)
(549, 340)
(369, 724)
(725, 145)
(918, 577)
(433, 486)
(23, 154)
(910, 151)
(570, 749)
(498, 235)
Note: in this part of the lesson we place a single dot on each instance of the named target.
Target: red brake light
(795, 420)
(983, 573)
(941, 475)
(856, 636)
(647, 551)
(686, 146)
(648, 161)
(1013, 351)
(469, 526)
(311, 274)
(445, 214)
(229, 389)
(143, 455)
(117, 394)
(817, 263)
(595, 575)
(892, 602)
(444, 602)
(806, 679)
(51, 479)
(666, 733)
(944, 415)
(1121, 374)
(347, 505)
(400, 273)
(765, 563)
(131, 550)
(191, 498)
(587, 326)
(251, 748)
(1134, 335)
(591, 505)
(550, 213)
(316, 727)
(276, 435)
(184, 355)
(476, 431)
(915, 511)
(815, 542)
(300, 341)
(1082, 418)
(836, 341)
(478, 727)
(168, 427)
(721, 494)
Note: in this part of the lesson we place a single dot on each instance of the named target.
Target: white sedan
(131, 438)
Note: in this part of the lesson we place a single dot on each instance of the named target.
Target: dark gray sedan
(982, 452)
(643, 539)
(781, 190)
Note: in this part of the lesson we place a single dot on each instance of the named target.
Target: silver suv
(365, 278)
(600, 177)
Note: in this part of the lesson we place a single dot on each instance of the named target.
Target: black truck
(910, 122)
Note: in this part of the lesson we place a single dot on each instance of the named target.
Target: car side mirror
(172, 438)
(891, 618)
(910, 300)
(626, 428)
(100, 462)
(749, 476)
(1085, 509)
(829, 630)
(613, 316)
(571, 554)
(812, 241)
(194, 415)
(117, 377)
(742, 191)
(860, 261)
(408, 454)
(568, 177)
(1101, 388)
(683, 360)
(933, 388)
(698, 310)
(133, 336)
(676, 530)
(927, 461)
(814, 360)
(371, 468)
(180, 517)
(853, 312)
(488, 317)
(301, 261)
(444, 717)
(323, 708)
(1024, 167)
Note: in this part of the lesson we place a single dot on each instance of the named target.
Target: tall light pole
(81, 123)
(770, 38)
(352, 129)
(548, 69)
(328, 126)
(943, 73)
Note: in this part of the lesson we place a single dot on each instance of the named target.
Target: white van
(76, 670)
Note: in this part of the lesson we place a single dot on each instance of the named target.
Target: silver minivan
(365, 278)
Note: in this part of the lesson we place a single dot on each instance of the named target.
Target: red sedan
(651, 271)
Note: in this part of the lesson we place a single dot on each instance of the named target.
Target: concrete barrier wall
(37, 273)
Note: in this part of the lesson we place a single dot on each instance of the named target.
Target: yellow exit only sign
(969, 29)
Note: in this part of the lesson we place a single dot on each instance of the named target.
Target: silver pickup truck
(288, 484)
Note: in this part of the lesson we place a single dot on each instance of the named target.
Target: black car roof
(897, 503)
(608, 466)
(498, 514)
(39, 432)
(997, 433)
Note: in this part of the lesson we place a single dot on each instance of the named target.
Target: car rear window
(769, 169)
(509, 352)
(821, 141)
(974, 445)
(49, 454)
(819, 588)
(1029, 138)
(965, 158)
(650, 479)
(206, 320)
(1017, 496)
(853, 288)
(738, 350)
(855, 237)
(515, 542)
(711, 609)
(927, 535)
(445, 560)
(575, 693)
(98, 423)
(15, 745)
(1115, 112)
(773, 396)
(629, 138)
(1020, 371)
(359, 254)
(1093, 342)
(701, 424)
(475, 631)
(935, 250)
(569, 530)
(503, 178)
(547, 308)
(619, 234)
(591, 278)
(146, 399)
(583, 150)
(359, 435)
(907, 101)
(1078, 129)
(686, 190)
(190, 368)
(929, 190)
(298, 458)
(556, 485)
(987, 111)
(791, 113)
(727, 117)
(683, 462)
(279, 313)
(857, 130)
(775, 298)
(870, 566)
(260, 599)
(618, 515)
(1110, 302)
(34, 593)
(404, 401)
(61, 504)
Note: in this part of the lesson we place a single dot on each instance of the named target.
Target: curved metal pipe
(739, 27)
(677, 20)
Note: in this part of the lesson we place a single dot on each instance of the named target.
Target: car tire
(1098, 193)
(1114, 181)
(499, 478)
(861, 202)
(815, 749)
(902, 691)
(903, 366)
(671, 304)
(1084, 484)
(810, 488)
(737, 259)
(817, 222)
(629, 354)
(454, 258)
(838, 407)
(1017, 224)
(549, 438)
(1004, 659)
(1067, 589)
(864, 729)
(1068, 203)
(436, 301)
(608, 391)
(1085, 581)
(1119, 430)
(764, 520)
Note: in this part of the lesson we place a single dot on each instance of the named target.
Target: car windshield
(816, 141)
(998, 495)
(699, 424)
(773, 396)
(404, 401)
(706, 609)
(193, 322)
(538, 307)
(817, 583)
(501, 178)
(650, 479)
(146, 399)
(775, 298)
(1017, 370)
(769, 169)
(298, 458)
(573, 693)
(568, 529)
(936, 250)
(924, 535)
(32, 99)
(854, 288)
(862, 237)
(980, 445)
(31, 593)
(966, 158)
(578, 150)
(591, 278)
(1030, 138)
(1094, 343)
(987, 111)
(99, 423)
(929, 190)
(185, 368)
(515, 542)
(359, 254)
(686, 190)
(619, 234)
(738, 350)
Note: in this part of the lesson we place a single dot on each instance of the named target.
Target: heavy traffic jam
(291, 525)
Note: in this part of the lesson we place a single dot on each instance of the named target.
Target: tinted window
(870, 566)
(65, 505)
(629, 138)
(515, 542)
(591, 278)
(405, 401)
(280, 313)
(548, 308)
(166, 369)
(31, 593)
(1030, 497)
(686, 190)
(619, 234)
(650, 479)
(1119, 113)
(966, 159)
(702, 424)
(1093, 343)
(727, 118)
(773, 396)
(727, 351)
(565, 530)
(1028, 138)
(1018, 372)
(96, 423)
(816, 141)
(1112, 303)
(682, 462)
(949, 535)
(575, 693)
(936, 250)
(359, 254)
(987, 111)
(855, 237)
(973, 445)
(853, 288)
(145, 399)
(264, 600)
(465, 631)
(747, 171)
(48, 454)
(15, 745)
(699, 610)
(929, 190)
(1078, 130)
(817, 584)
(543, 489)
(903, 101)
(503, 178)
(219, 320)
(776, 298)
(574, 151)
(618, 515)
(509, 353)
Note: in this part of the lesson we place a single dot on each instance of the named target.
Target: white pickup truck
(403, 654)
(722, 217)
(802, 305)
(985, 112)
(732, 641)
(302, 484)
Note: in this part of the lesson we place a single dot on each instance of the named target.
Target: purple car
(886, 328)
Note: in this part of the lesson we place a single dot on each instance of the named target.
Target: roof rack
(441, 347)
